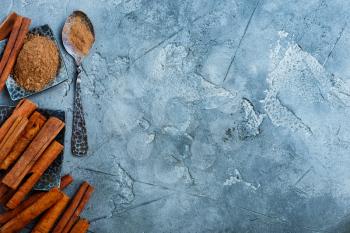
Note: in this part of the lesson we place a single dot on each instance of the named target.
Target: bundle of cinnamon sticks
(15, 28)
(58, 213)
(27, 149)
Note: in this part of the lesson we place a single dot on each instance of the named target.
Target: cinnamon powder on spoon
(37, 63)
(79, 35)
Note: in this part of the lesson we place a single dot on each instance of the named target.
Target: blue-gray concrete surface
(210, 116)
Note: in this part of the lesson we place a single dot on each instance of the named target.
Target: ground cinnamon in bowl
(79, 35)
(37, 63)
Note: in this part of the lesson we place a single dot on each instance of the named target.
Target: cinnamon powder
(79, 35)
(37, 63)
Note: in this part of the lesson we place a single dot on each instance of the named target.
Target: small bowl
(52, 176)
(17, 92)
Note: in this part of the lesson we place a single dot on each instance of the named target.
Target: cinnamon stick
(3, 190)
(15, 51)
(81, 226)
(38, 170)
(71, 208)
(24, 108)
(36, 121)
(33, 211)
(35, 149)
(48, 220)
(10, 43)
(7, 25)
(7, 196)
(5, 217)
(79, 209)
(50, 217)
(65, 181)
(12, 136)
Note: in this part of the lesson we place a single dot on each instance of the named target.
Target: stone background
(210, 116)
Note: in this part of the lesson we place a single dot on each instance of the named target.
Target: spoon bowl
(70, 48)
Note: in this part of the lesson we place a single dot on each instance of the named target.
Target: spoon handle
(79, 133)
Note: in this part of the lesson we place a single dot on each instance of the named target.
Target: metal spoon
(79, 132)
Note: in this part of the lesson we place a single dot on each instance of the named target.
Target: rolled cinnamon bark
(7, 25)
(3, 190)
(10, 43)
(12, 136)
(79, 209)
(24, 108)
(37, 171)
(81, 226)
(5, 217)
(36, 122)
(15, 51)
(35, 149)
(71, 208)
(45, 160)
(47, 221)
(65, 181)
(6, 196)
(33, 211)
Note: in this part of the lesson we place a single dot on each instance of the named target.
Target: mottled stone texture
(210, 115)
